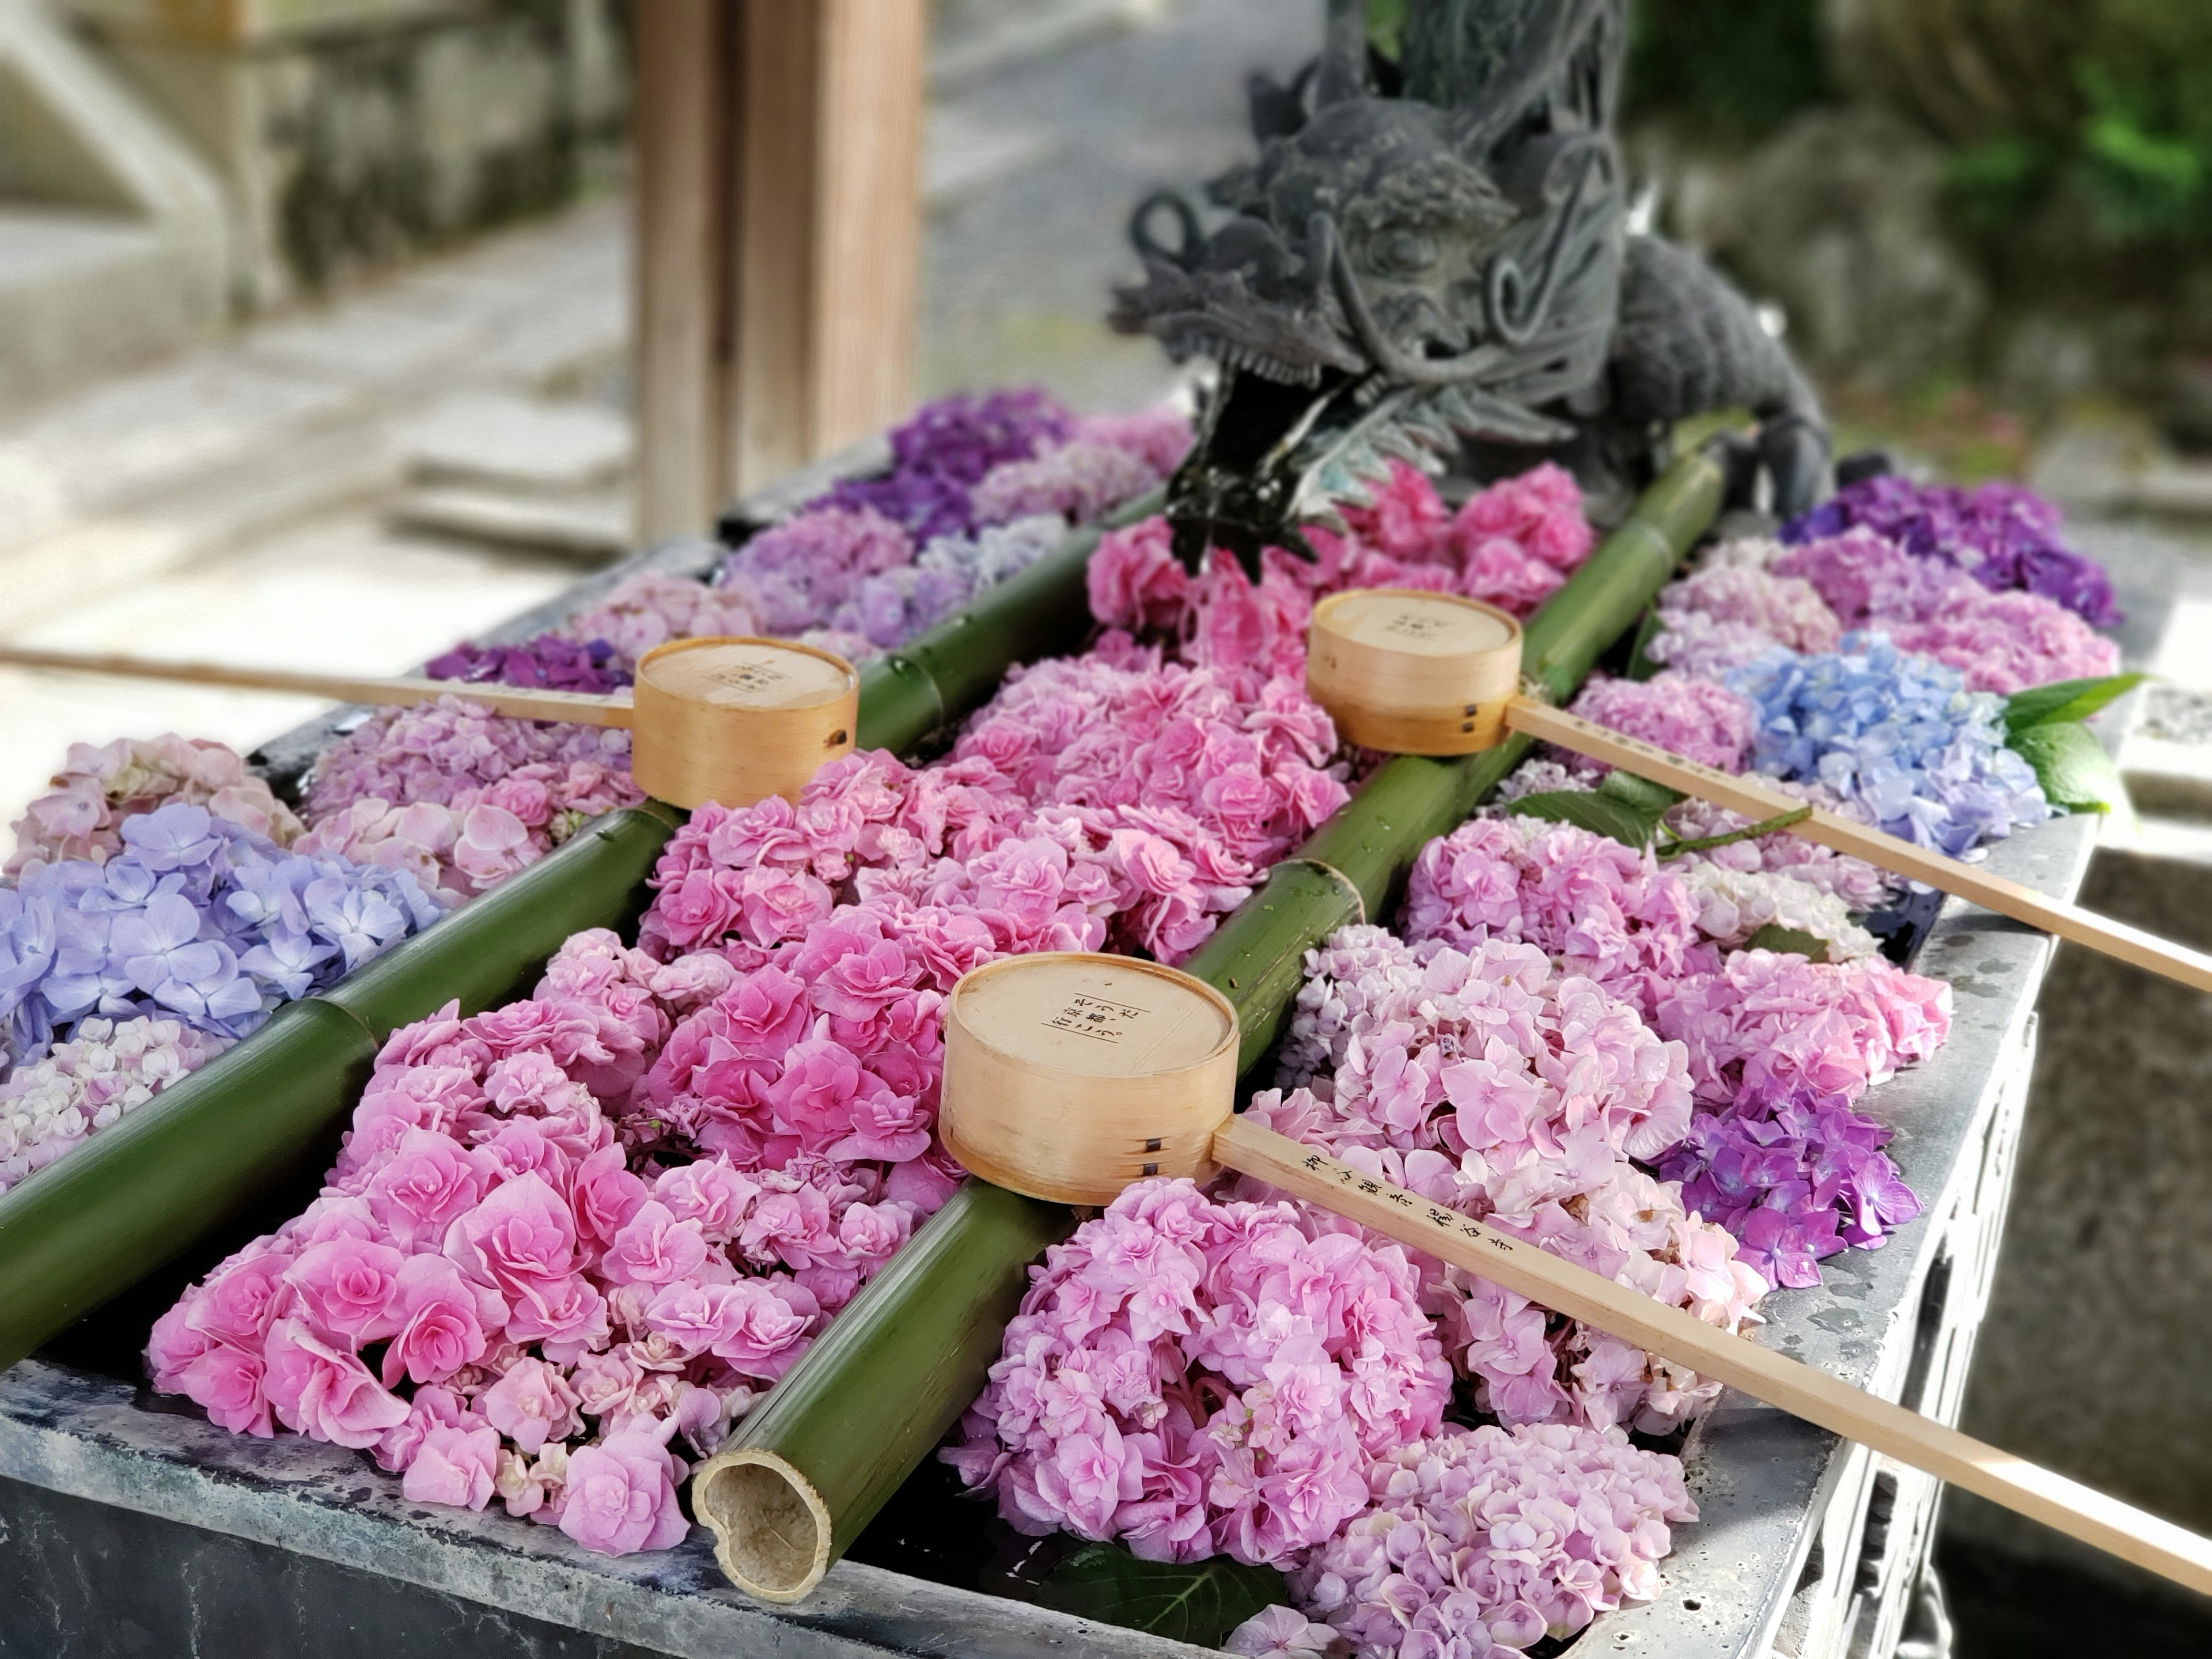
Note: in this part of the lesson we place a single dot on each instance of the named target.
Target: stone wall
(352, 133)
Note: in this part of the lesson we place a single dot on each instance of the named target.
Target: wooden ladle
(1066, 1077)
(732, 720)
(1413, 672)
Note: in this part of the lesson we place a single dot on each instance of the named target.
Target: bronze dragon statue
(1430, 261)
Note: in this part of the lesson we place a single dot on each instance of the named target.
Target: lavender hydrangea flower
(944, 450)
(1899, 739)
(197, 920)
(2005, 537)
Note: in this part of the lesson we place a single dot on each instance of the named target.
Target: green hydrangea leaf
(1775, 936)
(1599, 814)
(1200, 1602)
(2072, 767)
(2063, 701)
(1639, 793)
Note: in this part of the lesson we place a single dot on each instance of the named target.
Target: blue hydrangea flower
(1896, 735)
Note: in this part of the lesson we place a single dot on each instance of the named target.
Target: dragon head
(1397, 273)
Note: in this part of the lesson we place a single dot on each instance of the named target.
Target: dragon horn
(1487, 113)
(1344, 58)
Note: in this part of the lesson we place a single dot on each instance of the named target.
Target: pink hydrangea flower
(1698, 719)
(1192, 1376)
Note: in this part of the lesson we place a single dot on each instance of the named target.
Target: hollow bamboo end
(771, 1528)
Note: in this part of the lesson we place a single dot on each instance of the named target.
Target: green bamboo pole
(1364, 853)
(848, 1423)
(143, 1192)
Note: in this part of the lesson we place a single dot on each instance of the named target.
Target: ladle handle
(576, 707)
(1759, 801)
(1798, 1388)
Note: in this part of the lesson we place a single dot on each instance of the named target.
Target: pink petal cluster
(1601, 910)
(82, 1085)
(490, 1295)
(1196, 1378)
(460, 797)
(1488, 1082)
(1159, 435)
(80, 817)
(1765, 1019)
(1732, 609)
(1077, 481)
(2000, 642)
(1482, 1542)
(1088, 802)
(1513, 544)
(1699, 720)
(654, 607)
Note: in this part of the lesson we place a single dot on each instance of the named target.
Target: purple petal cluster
(196, 919)
(2003, 536)
(1796, 1173)
(939, 455)
(551, 661)
(2001, 641)
(795, 574)
(461, 798)
(1898, 739)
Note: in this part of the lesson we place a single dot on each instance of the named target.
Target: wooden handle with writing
(2071, 1507)
(576, 707)
(1758, 800)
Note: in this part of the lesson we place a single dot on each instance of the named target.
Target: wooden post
(778, 230)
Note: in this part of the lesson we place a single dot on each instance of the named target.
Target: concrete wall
(2094, 1356)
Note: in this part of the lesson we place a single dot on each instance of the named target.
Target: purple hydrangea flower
(2005, 537)
(548, 661)
(198, 919)
(944, 450)
(1794, 1174)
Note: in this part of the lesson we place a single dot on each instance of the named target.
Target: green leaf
(2072, 767)
(1640, 794)
(2064, 699)
(1601, 814)
(1202, 1602)
(1775, 936)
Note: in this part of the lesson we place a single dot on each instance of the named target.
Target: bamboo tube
(842, 1430)
(174, 1171)
(145, 1190)
(956, 1285)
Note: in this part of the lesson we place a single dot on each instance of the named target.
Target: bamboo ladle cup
(1066, 1077)
(731, 720)
(1413, 672)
